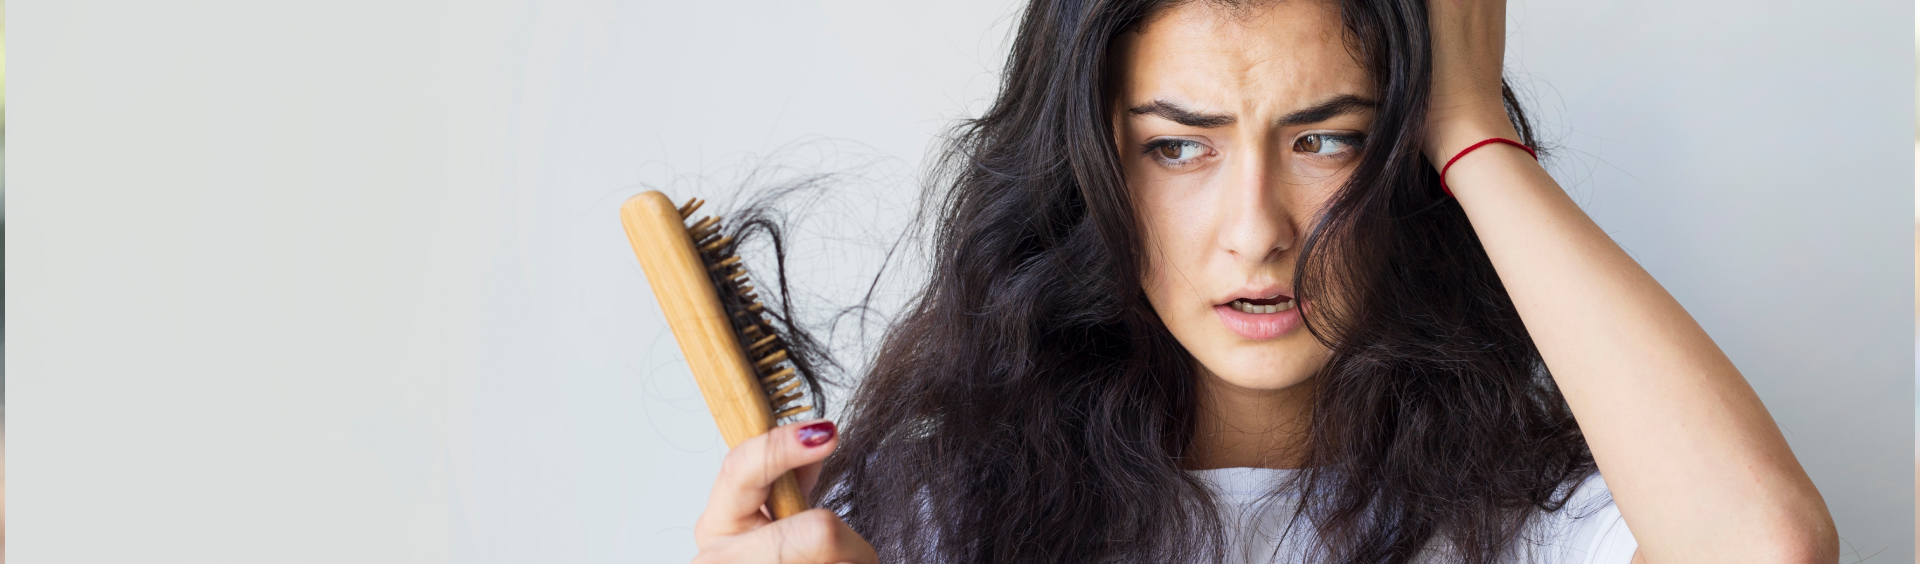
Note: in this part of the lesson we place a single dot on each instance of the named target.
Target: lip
(1259, 293)
(1259, 326)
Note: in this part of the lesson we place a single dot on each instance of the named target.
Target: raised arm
(1695, 463)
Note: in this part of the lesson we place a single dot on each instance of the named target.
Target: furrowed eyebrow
(1181, 115)
(1337, 106)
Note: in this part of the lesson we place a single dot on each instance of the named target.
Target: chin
(1262, 380)
(1266, 366)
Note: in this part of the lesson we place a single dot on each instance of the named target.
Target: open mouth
(1275, 304)
(1261, 319)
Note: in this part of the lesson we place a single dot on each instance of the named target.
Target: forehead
(1290, 52)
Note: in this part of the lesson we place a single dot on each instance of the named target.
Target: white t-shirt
(1588, 530)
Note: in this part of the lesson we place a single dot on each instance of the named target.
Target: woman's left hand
(1465, 105)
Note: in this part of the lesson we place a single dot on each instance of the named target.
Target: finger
(814, 536)
(751, 467)
(808, 475)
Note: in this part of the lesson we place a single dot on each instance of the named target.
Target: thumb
(821, 438)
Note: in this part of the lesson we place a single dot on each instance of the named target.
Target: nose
(1256, 225)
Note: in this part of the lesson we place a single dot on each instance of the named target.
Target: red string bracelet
(1470, 148)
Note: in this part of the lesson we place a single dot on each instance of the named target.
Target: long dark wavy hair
(1031, 407)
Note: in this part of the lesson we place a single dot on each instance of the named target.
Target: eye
(1327, 144)
(1175, 152)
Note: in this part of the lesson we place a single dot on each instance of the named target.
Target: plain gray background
(342, 281)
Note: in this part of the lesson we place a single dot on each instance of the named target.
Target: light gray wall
(342, 281)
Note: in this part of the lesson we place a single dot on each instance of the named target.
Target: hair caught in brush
(758, 223)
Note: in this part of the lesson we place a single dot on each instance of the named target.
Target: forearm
(1695, 462)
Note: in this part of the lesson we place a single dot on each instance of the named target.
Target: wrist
(1465, 154)
(1450, 136)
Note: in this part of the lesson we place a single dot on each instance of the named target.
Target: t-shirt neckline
(1242, 481)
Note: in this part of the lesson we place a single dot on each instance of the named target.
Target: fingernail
(815, 434)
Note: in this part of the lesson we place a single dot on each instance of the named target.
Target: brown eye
(1175, 152)
(1328, 145)
(1171, 152)
(1309, 144)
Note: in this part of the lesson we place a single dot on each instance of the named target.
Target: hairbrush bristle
(691, 205)
(765, 348)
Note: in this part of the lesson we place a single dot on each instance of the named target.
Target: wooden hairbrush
(739, 361)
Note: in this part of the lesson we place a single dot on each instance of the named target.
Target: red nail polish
(815, 434)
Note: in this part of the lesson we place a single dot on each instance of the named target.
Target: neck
(1239, 427)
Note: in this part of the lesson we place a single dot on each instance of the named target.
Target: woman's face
(1233, 129)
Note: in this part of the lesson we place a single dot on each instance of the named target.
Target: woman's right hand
(735, 528)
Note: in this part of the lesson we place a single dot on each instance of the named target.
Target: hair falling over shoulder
(1030, 406)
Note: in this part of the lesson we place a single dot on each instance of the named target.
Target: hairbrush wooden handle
(700, 324)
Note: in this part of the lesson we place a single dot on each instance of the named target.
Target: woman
(1247, 282)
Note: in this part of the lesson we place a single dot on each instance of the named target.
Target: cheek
(1318, 184)
(1167, 240)
(1160, 280)
(1174, 232)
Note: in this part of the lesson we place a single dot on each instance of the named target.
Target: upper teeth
(1243, 306)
